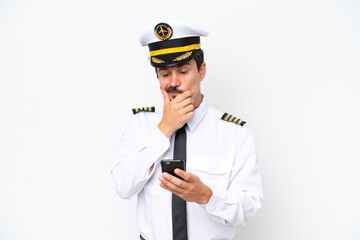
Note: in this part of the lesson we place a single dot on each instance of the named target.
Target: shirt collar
(199, 114)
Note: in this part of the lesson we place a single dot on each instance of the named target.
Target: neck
(198, 100)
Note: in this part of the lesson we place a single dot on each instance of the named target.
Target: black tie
(179, 204)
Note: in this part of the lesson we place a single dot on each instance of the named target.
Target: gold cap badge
(163, 31)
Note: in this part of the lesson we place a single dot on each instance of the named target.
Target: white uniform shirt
(219, 152)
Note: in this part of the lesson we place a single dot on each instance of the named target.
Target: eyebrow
(178, 66)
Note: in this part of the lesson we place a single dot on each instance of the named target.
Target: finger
(186, 102)
(188, 177)
(165, 95)
(171, 181)
(174, 180)
(188, 108)
(188, 116)
(169, 186)
(181, 97)
(171, 190)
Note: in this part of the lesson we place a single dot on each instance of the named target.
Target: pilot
(218, 183)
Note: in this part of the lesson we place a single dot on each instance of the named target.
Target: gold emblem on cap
(156, 60)
(183, 56)
(163, 31)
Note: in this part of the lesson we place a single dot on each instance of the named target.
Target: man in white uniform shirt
(221, 184)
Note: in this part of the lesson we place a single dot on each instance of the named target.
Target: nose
(175, 80)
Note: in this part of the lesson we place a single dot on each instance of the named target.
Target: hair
(198, 57)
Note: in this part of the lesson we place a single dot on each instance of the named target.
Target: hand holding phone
(169, 165)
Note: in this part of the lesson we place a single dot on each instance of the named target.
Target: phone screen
(169, 165)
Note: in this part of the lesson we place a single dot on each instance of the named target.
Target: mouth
(174, 93)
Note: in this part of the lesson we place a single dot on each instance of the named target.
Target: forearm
(240, 198)
(130, 168)
(233, 208)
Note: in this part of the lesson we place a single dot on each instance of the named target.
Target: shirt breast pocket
(213, 174)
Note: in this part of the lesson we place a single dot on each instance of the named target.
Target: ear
(202, 71)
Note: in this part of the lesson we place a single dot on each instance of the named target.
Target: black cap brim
(173, 52)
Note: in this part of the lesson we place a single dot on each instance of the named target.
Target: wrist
(207, 195)
(165, 130)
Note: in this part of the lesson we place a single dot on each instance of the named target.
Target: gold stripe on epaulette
(231, 118)
(144, 109)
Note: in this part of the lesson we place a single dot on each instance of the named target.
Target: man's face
(177, 79)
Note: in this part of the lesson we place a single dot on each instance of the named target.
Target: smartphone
(169, 165)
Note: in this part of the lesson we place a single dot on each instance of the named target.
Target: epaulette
(231, 118)
(145, 109)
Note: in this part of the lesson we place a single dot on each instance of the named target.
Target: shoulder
(144, 115)
(143, 109)
(141, 112)
(230, 128)
(142, 118)
(230, 118)
(226, 118)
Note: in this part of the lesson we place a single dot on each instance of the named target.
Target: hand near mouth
(173, 92)
(177, 111)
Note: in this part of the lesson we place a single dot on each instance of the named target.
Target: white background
(71, 70)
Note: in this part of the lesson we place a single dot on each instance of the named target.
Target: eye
(184, 72)
(164, 74)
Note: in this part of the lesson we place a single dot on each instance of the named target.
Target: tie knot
(182, 129)
(180, 144)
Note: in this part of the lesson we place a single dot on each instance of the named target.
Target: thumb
(166, 96)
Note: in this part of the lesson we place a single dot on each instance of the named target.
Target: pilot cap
(171, 43)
